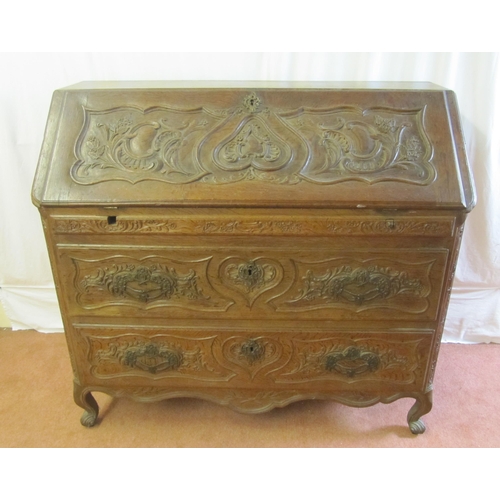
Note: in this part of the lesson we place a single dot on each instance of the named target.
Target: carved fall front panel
(253, 142)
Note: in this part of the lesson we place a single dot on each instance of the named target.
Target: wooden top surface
(249, 84)
(265, 144)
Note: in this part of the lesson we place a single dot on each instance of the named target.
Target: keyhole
(249, 272)
(252, 102)
(251, 349)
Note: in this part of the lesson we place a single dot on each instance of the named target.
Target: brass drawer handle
(352, 361)
(152, 358)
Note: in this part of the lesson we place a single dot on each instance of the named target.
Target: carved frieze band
(416, 226)
(148, 282)
(253, 142)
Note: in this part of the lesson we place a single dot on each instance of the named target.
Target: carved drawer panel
(153, 356)
(184, 357)
(236, 282)
(251, 359)
(366, 283)
(353, 358)
(144, 283)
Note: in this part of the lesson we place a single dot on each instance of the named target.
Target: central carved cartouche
(250, 275)
(252, 351)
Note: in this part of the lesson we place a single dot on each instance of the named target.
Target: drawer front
(302, 223)
(254, 283)
(251, 359)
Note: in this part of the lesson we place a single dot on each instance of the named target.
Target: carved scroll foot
(85, 400)
(422, 406)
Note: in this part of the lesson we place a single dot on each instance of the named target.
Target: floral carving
(251, 144)
(157, 356)
(132, 145)
(351, 360)
(368, 145)
(151, 357)
(251, 102)
(122, 225)
(144, 283)
(360, 226)
(253, 149)
(246, 142)
(391, 226)
(252, 350)
(358, 285)
(250, 274)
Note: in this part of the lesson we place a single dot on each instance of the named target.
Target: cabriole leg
(85, 400)
(422, 406)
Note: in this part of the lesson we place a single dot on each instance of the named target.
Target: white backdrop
(27, 290)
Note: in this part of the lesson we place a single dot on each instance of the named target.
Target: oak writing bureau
(254, 243)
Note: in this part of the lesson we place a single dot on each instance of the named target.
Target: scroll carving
(250, 278)
(253, 147)
(253, 142)
(252, 356)
(133, 145)
(370, 145)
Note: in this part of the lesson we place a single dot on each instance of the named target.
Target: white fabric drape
(27, 290)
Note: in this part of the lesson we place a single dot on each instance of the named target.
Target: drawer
(252, 359)
(223, 223)
(311, 282)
